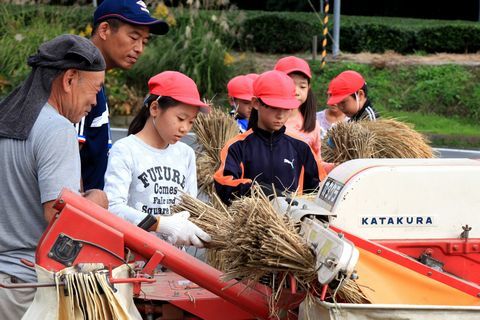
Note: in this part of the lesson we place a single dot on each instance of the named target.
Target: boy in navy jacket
(265, 153)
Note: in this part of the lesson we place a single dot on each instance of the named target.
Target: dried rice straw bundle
(213, 221)
(307, 195)
(213, 130)
(384, 138)
(251, 242)
(262, 241)
(264, 244)
(346, 141)
(395, 139)
(348, 292)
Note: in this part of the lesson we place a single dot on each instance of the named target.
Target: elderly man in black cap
(39, 153)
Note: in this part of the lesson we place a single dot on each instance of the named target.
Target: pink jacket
(313, 139)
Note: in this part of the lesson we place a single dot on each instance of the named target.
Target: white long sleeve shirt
(141, 179)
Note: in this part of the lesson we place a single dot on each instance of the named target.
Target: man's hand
(48, 210)
(94, 195)
(97, 196)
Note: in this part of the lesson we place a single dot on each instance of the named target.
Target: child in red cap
(240, 93)
(149, 169)
(265, 153)
(348, 92)
(303, 121)
(253, 76)
(329, 117)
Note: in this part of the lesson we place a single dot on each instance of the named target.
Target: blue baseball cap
(130, 11)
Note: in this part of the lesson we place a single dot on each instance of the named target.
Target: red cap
(252, 76)
(240, 87)
(293, 64)
(276, 90)
(346, 83)
(177, 86)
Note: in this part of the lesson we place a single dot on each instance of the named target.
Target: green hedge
(275, 32)
(449, 38)
(278, 33)
(376, 38)
(286, 32)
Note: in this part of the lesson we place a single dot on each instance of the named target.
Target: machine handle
(131, 280)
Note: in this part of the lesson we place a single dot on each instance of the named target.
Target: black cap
(68, 51)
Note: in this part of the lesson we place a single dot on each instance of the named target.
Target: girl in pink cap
(149, 169)
(240, 93)
(303, 121)
(265, 152)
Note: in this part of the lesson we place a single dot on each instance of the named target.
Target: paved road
(458, 153)
(443, 152)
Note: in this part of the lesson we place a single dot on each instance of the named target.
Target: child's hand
(180, 231)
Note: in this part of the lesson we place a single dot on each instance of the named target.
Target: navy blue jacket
(269, 158)
(94, 135)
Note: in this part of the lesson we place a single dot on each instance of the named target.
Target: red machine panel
(460, 257)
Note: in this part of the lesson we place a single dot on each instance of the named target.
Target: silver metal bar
(336, 28)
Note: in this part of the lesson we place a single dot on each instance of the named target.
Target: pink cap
(177, 86)
(276, 89)
(293, 64)
(240, 87)
(346, 83)
(252, 76)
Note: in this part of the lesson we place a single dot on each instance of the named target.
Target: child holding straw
(266, 153)
(348, 92)
(149, 168)
(303, 121)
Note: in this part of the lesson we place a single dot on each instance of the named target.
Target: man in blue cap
(121, 31)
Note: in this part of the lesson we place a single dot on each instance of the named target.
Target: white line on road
(458, 150)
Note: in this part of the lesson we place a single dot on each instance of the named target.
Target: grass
(442, 131)
(435, 124)
(440, 101)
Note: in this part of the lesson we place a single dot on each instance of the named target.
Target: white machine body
(403, 198)
(298, 208)
(336, 256)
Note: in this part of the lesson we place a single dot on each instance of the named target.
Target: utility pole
(336, 28)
